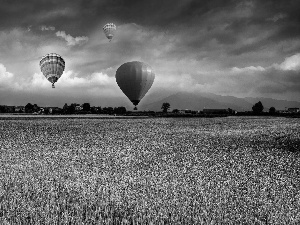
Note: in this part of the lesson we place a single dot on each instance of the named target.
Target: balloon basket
(53, 86)
(135, 108)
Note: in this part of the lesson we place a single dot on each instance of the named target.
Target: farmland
(150, 171)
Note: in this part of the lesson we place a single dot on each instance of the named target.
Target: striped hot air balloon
(135, 79)
(109, 30)
(52, 66)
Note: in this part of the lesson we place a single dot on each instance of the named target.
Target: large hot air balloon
(135, 79)
(52, 66)
(109, 30)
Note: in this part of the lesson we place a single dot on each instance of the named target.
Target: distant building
(216, 111)
(20, 109)
(184, 111)
(293, 110)
(52, 110)
(281, 111)
(78, 108)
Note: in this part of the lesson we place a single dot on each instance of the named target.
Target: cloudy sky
(229, 47)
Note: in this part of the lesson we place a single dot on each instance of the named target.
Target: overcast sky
(238, 48)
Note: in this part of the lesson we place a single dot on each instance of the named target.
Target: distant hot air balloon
(135, 79)
(52, 66)
(109, 30)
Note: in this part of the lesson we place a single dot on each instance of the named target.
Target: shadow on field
(288, 143)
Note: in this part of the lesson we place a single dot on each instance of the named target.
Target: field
(243, 170)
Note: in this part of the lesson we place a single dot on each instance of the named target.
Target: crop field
(233, 170)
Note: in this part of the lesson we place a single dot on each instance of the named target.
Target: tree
(258, 107)
(272, 110)
(99, 109)
(65, 108)
(71, 108)
(46, 111)
(120, 110)
(86, 107)
(29, 108)
(35, 108)
(165, 106)
(108, 110)
(2, 109)
(175, 111)
(93, 110)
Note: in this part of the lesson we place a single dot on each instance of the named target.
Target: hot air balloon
(135, 79)
(52, 66)
(109, 30)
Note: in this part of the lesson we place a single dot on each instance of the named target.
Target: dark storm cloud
(212, 27)
(15, 13)
(280, 18)
(84, 14)
(184, 17)
(263, 23)
(153, 13)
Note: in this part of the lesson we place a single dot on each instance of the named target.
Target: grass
(150, 171)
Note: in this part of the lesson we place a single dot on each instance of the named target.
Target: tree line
(257, 108)
(73, 108)
(85, 108)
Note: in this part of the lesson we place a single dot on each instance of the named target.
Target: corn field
(233, 170)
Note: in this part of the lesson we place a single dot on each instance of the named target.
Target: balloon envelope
(135, 79)
(109, 30)
(52, 66)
